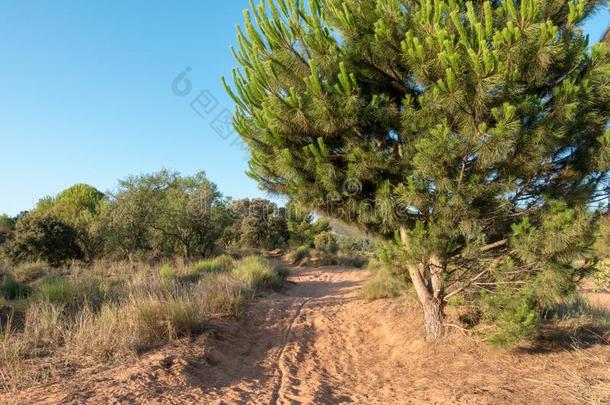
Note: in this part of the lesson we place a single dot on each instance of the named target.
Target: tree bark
(429, 292)
(433, 318)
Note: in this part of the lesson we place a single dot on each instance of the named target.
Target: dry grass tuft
(383, 283)
(86, 318)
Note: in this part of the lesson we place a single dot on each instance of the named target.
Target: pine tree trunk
(433, 318)
(429, 292)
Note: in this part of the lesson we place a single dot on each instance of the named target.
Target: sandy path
(317, 342)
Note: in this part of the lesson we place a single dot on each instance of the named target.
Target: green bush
(354, 246)
(300, 253)
(512, 312)
(326, 242)
(384, 283)
(282, 272)
(7, 226)
(43, 238)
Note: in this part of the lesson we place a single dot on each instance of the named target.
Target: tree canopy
(79, 206)
(43, 237)
(475, 131)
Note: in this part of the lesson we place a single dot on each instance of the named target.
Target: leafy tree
(7, 226)
(302, 227)
(260, 223)
(43, 237)
(193, 215)
(168, 214)
(135, 207)
(79, 205)
(469, 131)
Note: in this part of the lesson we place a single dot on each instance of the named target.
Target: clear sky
(86, 94)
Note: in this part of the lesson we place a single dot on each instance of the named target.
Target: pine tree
(473, 133)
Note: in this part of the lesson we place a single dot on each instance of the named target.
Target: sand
(317, 342)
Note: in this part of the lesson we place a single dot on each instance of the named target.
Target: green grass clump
(57, 290)
(167, 272)
(216, 265)
(257, 272)
(11, 289)
(384, 283)
(77, 294)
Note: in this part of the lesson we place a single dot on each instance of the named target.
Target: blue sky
(86, 94)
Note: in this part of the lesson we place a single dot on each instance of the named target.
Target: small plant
(282, 272)
(158, 321)
(300, 253)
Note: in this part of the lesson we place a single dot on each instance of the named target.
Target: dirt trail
(317, 342)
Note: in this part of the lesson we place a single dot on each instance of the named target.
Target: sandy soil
(317, 342)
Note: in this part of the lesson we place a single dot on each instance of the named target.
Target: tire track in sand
(280, 366)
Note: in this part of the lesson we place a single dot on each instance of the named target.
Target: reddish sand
(318, 342)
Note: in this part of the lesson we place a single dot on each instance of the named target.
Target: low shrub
(283, 272)
(354, 246)
(157, 320)
(300, 253)
(326, 242)
(511, 314)
(384, 283)
(44, 329)
(221, 294)
(321, 258)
